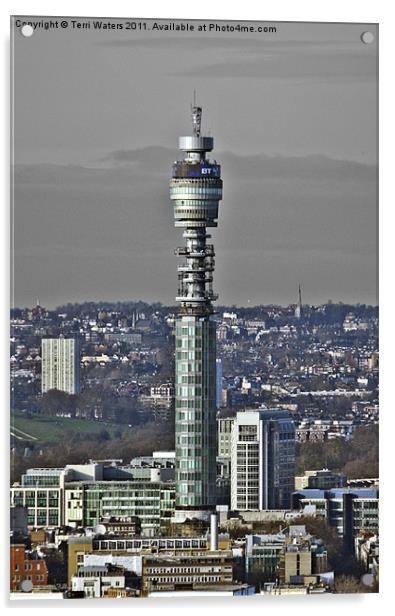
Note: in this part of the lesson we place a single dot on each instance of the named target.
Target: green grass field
(41, 429)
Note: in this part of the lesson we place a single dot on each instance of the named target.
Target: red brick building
(22, 567)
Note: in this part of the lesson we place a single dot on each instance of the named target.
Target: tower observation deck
(195, 189)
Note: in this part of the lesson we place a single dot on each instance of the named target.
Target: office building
(262, 460)
(128, 552)
(262, 555)
(225, 424)
(323, 479)
(41, 493)
(189, 572)
(96, 581)
(303, 558)
(290, 556)
(219, 382)
(348, 510)
(60, 365)
(86, 504)
(195, 189)
(86, 495)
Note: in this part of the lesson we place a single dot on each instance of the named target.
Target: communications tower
(195, 189)
(298, 309)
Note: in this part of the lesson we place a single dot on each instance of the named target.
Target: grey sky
(96, 121)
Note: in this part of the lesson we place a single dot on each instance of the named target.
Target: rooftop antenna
(196, 117)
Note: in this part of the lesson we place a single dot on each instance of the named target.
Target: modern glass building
(41, 492)
(86, 504)
(44, 505)
(83, 495)
(349, 510)
(195, 189)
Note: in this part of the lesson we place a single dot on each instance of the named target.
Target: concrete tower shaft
(195, 189)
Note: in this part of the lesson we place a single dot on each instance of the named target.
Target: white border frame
(361, 11)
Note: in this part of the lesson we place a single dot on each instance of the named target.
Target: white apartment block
(60, 365)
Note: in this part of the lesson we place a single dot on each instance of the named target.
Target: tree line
(358, 458)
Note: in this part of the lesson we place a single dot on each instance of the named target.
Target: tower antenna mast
(196, 117)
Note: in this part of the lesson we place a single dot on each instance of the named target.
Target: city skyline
(173, 305)
(297, 126)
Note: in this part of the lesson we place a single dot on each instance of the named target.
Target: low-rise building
(26, 566)
(287, 557)
(83, 495)
(97, 580)
(348, 510)
(86, 504)
(323, 479)
(128, 551)
(186, 572)
(296, 562)
(262, 554)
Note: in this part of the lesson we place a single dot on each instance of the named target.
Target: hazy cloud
(322, 66)
(313, 167)
(100, 232)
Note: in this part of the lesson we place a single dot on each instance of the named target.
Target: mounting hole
(367, 37)
(367, 579)
(27, 30)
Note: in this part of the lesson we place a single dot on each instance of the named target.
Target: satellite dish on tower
(100, 529)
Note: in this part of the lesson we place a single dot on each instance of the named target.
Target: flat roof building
(187, 572)
(349, 510)
(323, 479)
(262, 460)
